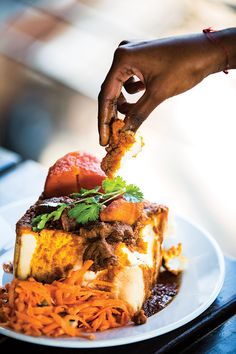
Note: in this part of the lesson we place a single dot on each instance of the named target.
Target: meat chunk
(8, 267)
(121, 233)
(51, 204)
(68, 224)
(139, 318)
(96, 229)
(113, 232)
(101, 253)
(101, 237)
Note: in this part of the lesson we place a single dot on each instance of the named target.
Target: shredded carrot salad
(63, 308)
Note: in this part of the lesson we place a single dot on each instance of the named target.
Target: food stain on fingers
(133, 122)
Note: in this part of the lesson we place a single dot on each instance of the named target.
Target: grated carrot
(68, 307)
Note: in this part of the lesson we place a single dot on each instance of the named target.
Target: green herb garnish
(90, 202)
(85, 192)
(39, 222)
(116, 184)
(133, 194)
(85, 212)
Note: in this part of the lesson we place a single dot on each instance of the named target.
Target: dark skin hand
(164, 68)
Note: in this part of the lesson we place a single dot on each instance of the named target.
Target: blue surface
(221, 340)
(9, 8)
(8, 159)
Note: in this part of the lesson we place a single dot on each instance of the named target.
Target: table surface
(212, 332)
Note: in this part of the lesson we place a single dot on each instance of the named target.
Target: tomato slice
(72, 172)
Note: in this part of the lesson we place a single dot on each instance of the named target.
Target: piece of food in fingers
(121, 142)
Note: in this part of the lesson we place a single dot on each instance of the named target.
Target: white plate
(200, 286)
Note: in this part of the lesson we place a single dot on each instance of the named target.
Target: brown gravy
(165, 289)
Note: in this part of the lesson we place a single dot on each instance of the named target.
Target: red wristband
(208, 32)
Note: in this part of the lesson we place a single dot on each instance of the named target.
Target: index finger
(107, 99)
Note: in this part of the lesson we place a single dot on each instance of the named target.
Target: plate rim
(73, 343)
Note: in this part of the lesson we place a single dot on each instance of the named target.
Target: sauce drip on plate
(163, 292)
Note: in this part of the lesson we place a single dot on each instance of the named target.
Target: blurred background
(54, 56)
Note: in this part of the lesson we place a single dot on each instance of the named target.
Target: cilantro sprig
(85, 212)
(116, 184)
(40, 221)
(89, 202)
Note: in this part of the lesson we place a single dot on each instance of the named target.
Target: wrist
(227, 38)
(222, 45)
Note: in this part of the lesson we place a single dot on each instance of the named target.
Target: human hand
(164, 67)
